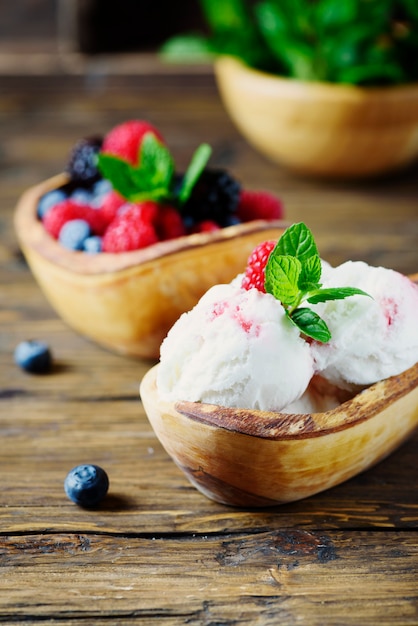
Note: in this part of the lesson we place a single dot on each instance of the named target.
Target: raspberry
(110, 205)
(97, 221)
(68, 210)
(59, 214)
(146, 211)
(259, 205)
(125, 139)
(255, 271)
(169, 223)
(206, 226)
(130, 230)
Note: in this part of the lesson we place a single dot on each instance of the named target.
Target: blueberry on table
(86, 485)
(33, 356)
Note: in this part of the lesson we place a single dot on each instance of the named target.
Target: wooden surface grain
(156, 551)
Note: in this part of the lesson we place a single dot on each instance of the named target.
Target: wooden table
(157, 551)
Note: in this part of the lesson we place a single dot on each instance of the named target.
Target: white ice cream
(236, 348)
(372, 338)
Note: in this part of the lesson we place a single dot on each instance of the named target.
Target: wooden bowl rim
(287, 426)
(33, 236)
(300, 89)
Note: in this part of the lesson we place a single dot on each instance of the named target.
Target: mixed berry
(255, 272)
(33, 356)
(124, 193)
(86, 485)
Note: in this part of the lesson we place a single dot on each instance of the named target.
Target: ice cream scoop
(371, 338)
(235, 348)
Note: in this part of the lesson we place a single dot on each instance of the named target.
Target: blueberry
(102, 187)
(86, 485)
(231, 220)
(33, 356)
(48, 200)
(93, 244)
(73, 234)
(81, 196)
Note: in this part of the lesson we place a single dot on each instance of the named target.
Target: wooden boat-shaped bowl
(127, 302)
(249, 458)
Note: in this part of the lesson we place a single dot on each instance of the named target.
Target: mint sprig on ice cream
(292, 275)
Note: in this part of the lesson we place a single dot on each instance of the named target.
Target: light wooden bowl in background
(252, 458)
(321, 129)
(128, 301)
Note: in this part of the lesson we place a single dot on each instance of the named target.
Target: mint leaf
(334, 293)
(120, 174)
(193, 172)
(157, 194)
(149, 180)
(140, 178)
(310, 274)
(298, 241)
(281, 278)
(155, 164)
(292, 275)
(311, 324)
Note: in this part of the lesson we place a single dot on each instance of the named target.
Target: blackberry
(214, 197)
(82, 162)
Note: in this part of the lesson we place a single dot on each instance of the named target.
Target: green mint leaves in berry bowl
(153, 176)
(292, 275)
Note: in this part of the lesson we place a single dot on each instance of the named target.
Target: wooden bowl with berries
(121, 243)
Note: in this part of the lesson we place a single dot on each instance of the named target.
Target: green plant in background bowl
(326, 87)
(362, 42)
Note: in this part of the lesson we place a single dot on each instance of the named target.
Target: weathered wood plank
(288, 575)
